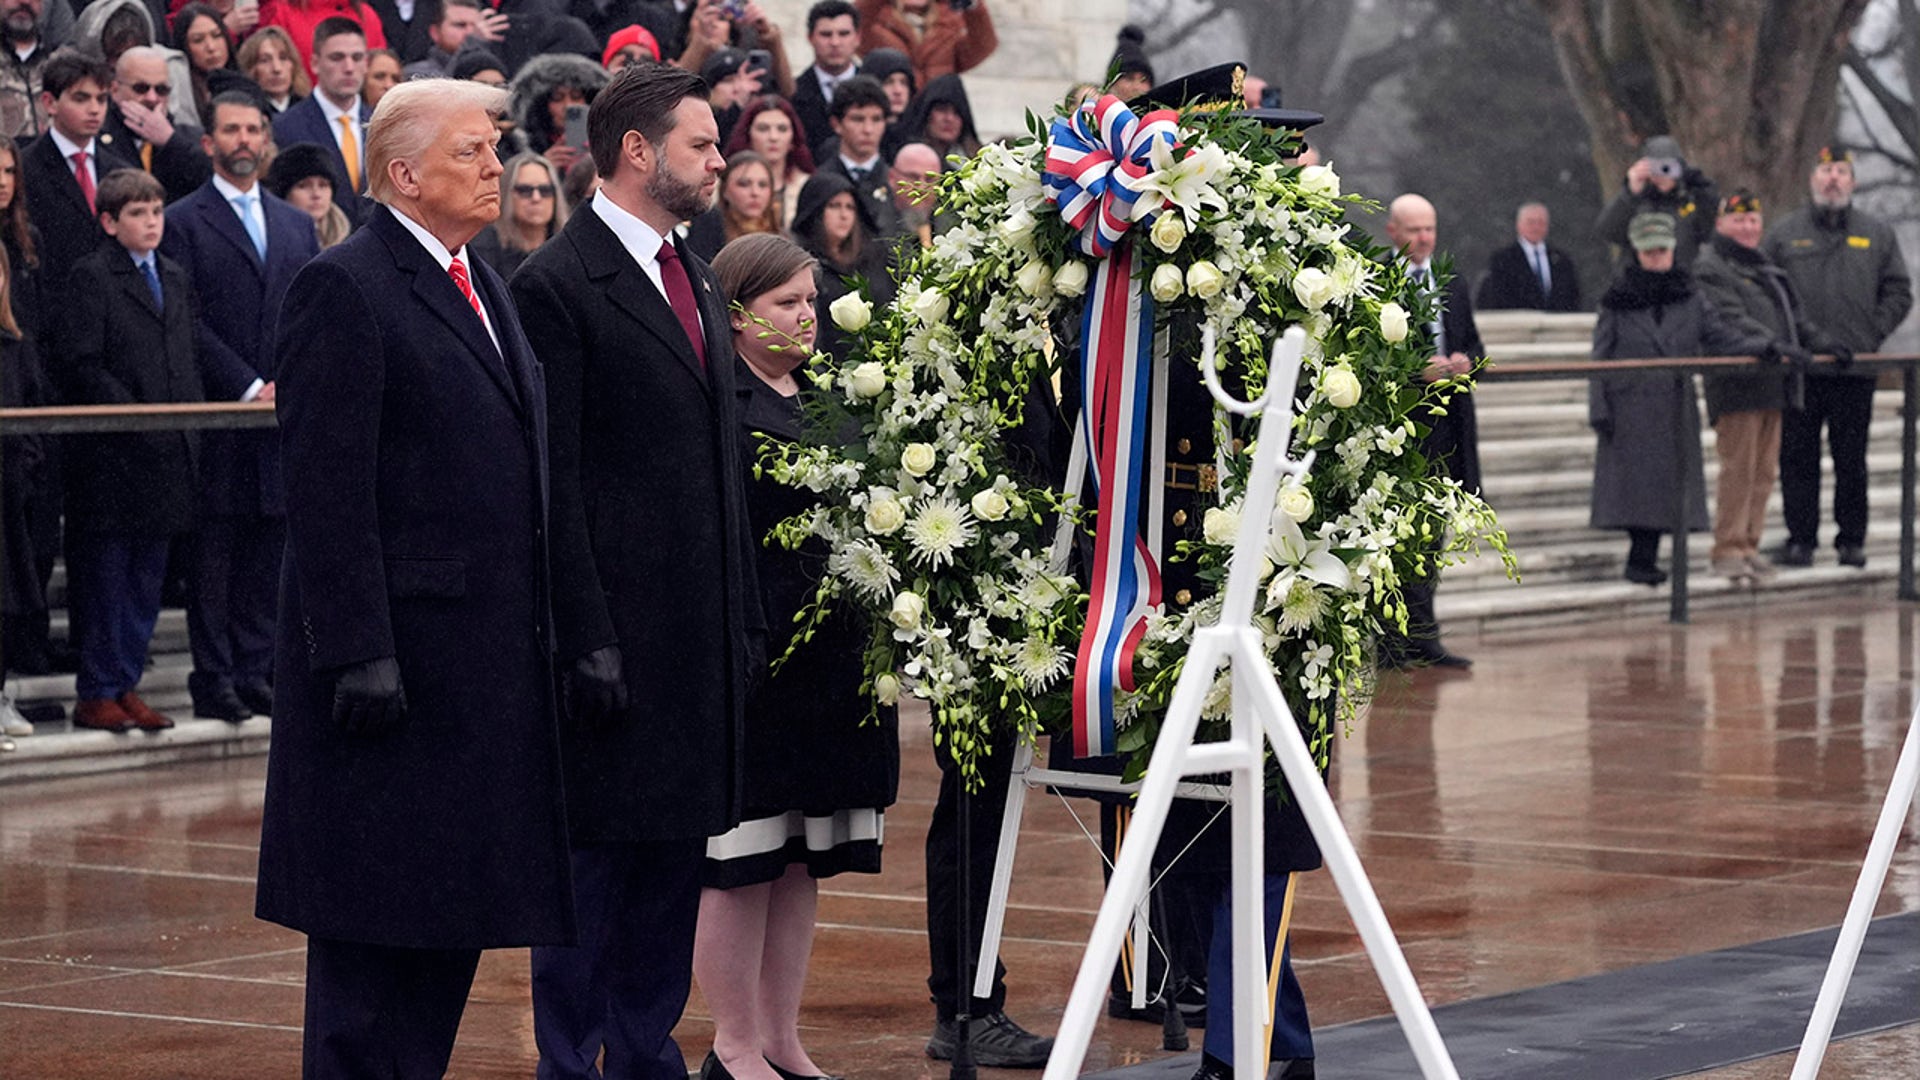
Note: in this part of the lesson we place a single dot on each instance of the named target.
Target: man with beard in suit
(1452, 442)
(656, 618)
(241, 246)
(413, 809)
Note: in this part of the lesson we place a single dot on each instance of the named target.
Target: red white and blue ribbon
(1092, 155)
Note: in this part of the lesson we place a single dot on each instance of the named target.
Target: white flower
(990, 505)
(851, 313)
(886, 688)
(1034, 279)
(866, 567)
(1393, 322)
(907, 610)
(1341, 387)
(1205, 280)
(918, 458)
(940, 527)
(1293, 553)
(1313, 288)
(1168, 232)
(1295, 501)
(885, 515)
(931, 307)
(1039, 662)
(1071, 279)
(1221, 524)
(1168, 283)
(1017, 229)
(868, 379)
(1186, 182)
(1301, 607)
(1320, 180)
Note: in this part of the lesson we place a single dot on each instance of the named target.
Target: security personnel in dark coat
(413, 810)
(1850, 273)
(657, 622)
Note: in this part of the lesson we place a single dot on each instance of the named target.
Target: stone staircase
(1536, 453)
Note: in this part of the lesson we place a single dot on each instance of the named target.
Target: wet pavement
(1587, 799)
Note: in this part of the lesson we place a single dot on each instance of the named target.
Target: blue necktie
(244, 204)
(153, 284)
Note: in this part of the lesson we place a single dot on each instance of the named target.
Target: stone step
(1507, 327)
(1509, 489)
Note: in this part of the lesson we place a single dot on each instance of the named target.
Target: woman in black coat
(836, 227)
(822, 764)
(1648, 458)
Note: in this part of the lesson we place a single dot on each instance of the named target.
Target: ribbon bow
(1093, 158)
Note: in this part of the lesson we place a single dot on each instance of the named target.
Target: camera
(1671, 168)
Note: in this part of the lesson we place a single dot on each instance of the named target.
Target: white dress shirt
(68, 148)
(445, 258)
(830, 83)
(640, 241)
(1537, 261)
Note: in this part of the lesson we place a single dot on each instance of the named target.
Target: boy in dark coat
(130, 340)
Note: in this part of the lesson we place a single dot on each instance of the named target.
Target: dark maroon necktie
(673, 274)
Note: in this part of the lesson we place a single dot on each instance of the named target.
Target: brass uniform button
(1179, 517)
(1183, 597)
(1185, 446)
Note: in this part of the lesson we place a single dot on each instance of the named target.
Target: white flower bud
(851, 313)
(868, 379)
(1034, 279)
(1205, 280)
(989, 505)
(1393, 323)
(885, 515)
(1341, 387)
(1320, 180)
(1313, 288)
(1169, 231)
(931, 307)
(1168, 283)
(1017, 229)
(907, 610)
(1071, 279)
(918, 458)
(1220, 525)
(886, 689)
(1296, 502)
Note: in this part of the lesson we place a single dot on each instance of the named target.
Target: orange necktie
(350, 151)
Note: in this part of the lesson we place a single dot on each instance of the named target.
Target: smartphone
(576, 126)
(734, 9)
(759, 61)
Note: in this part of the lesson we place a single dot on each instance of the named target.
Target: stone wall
(1045, 47)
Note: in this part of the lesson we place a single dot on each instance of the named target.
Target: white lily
(1295, 555)
(1185, 182)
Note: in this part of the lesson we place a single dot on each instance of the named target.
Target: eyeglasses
(141, 89)
(533, 191)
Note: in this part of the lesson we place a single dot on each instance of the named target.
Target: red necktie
(84, 178)
(673, 274)
(459, 271)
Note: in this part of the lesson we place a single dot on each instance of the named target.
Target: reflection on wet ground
(1587, 799)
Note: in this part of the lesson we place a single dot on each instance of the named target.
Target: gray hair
(408, 119)
(138, 53)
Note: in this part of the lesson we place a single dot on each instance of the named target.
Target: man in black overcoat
(1529, 274)
(1452, 441)
(242, 248)
(413, 809)
(74, 96)
(656, 622)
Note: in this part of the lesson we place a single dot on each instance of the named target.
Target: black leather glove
(368, 698)
(596, 689)
(1798, 357)
(1842, 356)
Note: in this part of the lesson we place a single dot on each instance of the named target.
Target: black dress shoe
(997, 1041)
(1853, 555)
(1212, 1068)
(220, 702)
(258, 697)
(1794, 553)
(1452, 660)
(1191, 999)
(1644, 575)
(789, 1074)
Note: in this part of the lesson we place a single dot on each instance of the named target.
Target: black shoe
(215, 699)
(1852, 555)
(1191, 999)
(258, 696)
(789, 1074)
(1452, 660)
(1794, 553)
(998, 1043)
(1212, 1068)
(1645, 575)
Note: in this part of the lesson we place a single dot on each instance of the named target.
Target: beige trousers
(1749, 450)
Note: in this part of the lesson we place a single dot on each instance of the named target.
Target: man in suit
(64, 166)
(656, 618)
(241, 246)
(833, 29)
(335, 115)
(137, 121)
(859, 118)
(406, 24)
(1528, 273)
(1452, 443)
(413, 805)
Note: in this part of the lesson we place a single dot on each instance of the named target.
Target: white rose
(1313, 288)
(1320, 180)
(1071, 279)
(1205, 280)
(931, 307)
(1341, 387)
(885, 516)
(1393, 322)
(1168, 283)
(907, 609)
(886, 689)
(1296, 502)
(851, 313)
(990, 505)
(918, 458)
(868, 379)
(1220, 525)
(1018, 229)
(1034, 279)
(1168, 232)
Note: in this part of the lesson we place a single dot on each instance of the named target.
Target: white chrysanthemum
(867, 568)
(1039, 662)
(1303, 606)
(939, 529)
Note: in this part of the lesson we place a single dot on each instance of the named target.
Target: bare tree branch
(1902, 114)
(1179, 34)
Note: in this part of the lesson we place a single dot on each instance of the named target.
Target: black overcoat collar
(436, 291)
(610, 266)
